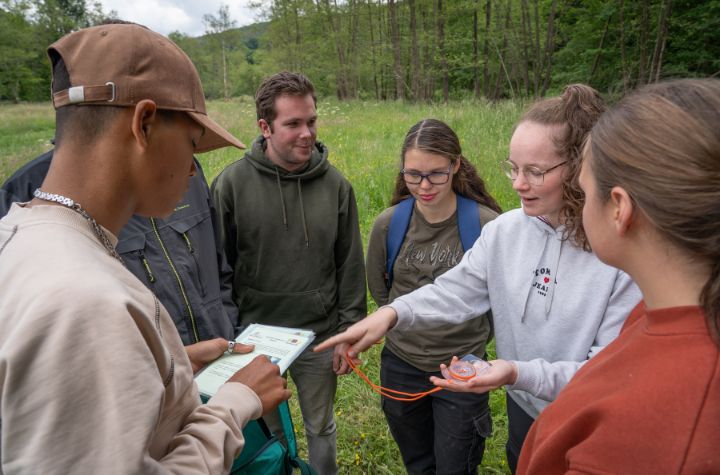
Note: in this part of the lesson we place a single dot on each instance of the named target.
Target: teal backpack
(264, 454)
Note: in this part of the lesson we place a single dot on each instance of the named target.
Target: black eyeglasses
(533, 175)
(434, 178)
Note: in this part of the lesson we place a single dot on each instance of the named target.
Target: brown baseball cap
(122, 64)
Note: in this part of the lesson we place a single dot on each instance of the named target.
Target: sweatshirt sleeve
(460, 294)
(86, 396)
(377, 260)
(349, 265)
(545, 380)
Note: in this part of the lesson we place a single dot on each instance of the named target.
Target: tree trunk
(549, 48)
(476, 66)
(538, 65)
(341, 82)
(443, 55)
(596, 61)
(526, 41)
(397, 59)
(372, 52)
(643, 39)
(352, 76)
(623, 52)
(224, 65)
(414, 54)
(298, 38)
(486, 49)
(661, 39)
(502, 66)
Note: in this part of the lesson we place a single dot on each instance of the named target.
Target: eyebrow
(299, 119)
(534, 165)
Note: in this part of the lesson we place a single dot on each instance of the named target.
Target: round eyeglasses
(533, 175)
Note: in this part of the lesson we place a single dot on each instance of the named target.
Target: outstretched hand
(500, 373)
(364, 333)
(263, 377)
(204, 352)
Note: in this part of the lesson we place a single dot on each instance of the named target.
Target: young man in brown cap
(93, 375)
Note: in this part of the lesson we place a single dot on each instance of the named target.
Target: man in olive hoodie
(289, 223)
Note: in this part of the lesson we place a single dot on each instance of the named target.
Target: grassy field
(364, 139)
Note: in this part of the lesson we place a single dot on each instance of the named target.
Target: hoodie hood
(316, 167)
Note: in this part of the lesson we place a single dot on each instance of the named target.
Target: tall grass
(364, 139)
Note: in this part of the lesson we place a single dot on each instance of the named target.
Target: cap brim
(214, 136)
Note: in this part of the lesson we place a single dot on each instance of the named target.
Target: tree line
(416, 50)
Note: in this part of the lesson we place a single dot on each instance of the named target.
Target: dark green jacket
(293, 241)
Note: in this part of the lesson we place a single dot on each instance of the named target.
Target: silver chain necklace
(69, 203)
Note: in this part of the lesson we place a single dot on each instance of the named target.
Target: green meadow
(364, 139)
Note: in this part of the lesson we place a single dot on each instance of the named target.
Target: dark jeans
(519, 423)
(443, 433)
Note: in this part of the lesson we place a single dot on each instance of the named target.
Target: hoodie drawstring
(302, 207)
(302, 214)
(282, 198)
(551, 290)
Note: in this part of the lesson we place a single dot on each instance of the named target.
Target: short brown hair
(435, 136)
(576, 111)
(283, 83)
(662, 145)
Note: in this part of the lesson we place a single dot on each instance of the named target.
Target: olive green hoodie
(293, 241)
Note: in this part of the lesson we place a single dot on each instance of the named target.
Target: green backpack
(264, 454)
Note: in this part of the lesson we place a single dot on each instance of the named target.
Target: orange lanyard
(388, 393)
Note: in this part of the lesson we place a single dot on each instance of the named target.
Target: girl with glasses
(445, 432)
(554, 304)
(650, 402)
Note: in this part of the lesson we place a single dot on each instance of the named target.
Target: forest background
(380, 66)
(416, 50)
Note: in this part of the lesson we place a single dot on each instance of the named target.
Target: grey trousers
(316, 383)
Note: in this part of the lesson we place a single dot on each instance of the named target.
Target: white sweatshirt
(554, 305)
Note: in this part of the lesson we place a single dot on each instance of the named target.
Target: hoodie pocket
(294, 309)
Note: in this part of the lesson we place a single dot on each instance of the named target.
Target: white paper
(280, 344)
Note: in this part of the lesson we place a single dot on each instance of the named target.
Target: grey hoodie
(554, 305)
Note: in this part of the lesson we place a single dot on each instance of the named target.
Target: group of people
(602, 291)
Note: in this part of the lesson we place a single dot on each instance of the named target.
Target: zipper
(191, 250)
(179, 280)
(146, 265)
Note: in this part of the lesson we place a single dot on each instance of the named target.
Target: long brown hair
(576, 110)
(435, 136)
(662, 145)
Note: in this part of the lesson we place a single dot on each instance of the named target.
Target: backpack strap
(468, 218)
(399, 223)
(468, 221)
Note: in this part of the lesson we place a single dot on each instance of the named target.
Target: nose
(425, 183)
(306, 132)
(520, 183)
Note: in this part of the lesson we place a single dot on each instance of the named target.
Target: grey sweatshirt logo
(543, 278)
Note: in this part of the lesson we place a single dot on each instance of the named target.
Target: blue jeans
(443, 433)
(316, 383)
